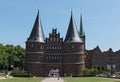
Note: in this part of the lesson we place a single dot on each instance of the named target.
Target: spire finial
(38, 11)
(81, 26)
(38, 14)
(81, 17)
(71, 13)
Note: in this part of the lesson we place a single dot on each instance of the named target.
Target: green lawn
(89, 79)
(21, 80)
(68, 79)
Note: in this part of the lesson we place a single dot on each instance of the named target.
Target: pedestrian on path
(58, 75)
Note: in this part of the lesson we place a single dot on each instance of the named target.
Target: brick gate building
(54, 52)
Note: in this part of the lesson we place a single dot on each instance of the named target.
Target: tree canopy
(11, 55)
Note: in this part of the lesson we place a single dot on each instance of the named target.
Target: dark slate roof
(37, 34)
(72, 33)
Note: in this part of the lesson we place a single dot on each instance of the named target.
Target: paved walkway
(52, 79)
(5, 77)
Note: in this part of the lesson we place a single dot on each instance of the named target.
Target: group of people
(54, 75)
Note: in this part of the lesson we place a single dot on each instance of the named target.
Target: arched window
(41, 46)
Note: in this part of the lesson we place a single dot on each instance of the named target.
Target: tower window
(60, 48)
(35, 39)
(32, 45)
(52, 47)
(55, 48)
(50, 39)
(57, 39)
(41, 46)
(54, 39)
(73, 46)
(50, 57)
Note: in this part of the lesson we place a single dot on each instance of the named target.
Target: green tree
(20, 53)
(3, 57)
(12, 55)
(87, 52)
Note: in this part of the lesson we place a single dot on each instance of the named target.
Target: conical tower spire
(72, 33)
(37, 34)
(82, 33)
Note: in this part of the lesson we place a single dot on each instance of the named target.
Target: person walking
(58, 75)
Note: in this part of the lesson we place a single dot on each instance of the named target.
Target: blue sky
(101, 20)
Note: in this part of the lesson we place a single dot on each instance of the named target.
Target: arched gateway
(53, 72)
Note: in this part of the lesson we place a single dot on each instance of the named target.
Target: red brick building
(98, 59)
(55, 53)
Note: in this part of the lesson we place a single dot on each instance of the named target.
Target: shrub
(90, 72)
(19, 73)
(112, 71)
